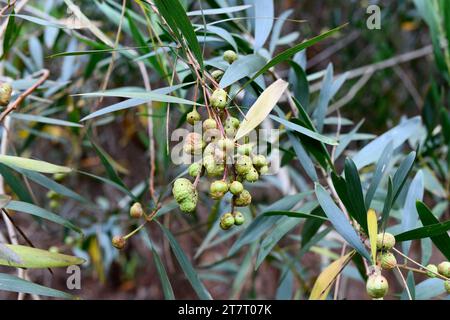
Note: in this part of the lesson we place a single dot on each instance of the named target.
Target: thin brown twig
(14, 105)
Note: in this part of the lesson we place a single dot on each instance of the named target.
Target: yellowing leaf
(262, 107)
(372, 227)
(34, 165)
(323, 283)
(27, 257)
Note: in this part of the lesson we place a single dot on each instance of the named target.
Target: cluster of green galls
(377, 286)
(221, 157)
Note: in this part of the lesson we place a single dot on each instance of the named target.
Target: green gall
(53, 204)
(238, 218)
(377, 286)
(193, 144)
(136, 210)
(218, 189)
(219, 98)
(217, 74)
(5, 93)
(444, 269)
(193, 117)
(189, 205)
(226, 221)
(252, 175)
(209, 124)
(226, 145)
(182, 189)
(118, 242)
(243, 199)
(230, 56)
(232, 122)
(243, 165)
(431, 270)
(195, 169)
(387, 260)
(236, 187)
(385, 241)
(245, 149)
(263, 170)
(259, 161)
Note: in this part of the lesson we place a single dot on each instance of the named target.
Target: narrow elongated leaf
(15, 184)
(355, 194)
(264, 12)
(216, 11)
(4, 200)
(262, 107)
(188, 270)
(339, 221)
(399, 134)
(303, 158)
(387, 203)
(28, 257)
(262, 223)
(401, 174)
(243, 67)
(410, 215)
(51, 185)
(293, 214)
(34, 165)
(429, 288)
(148, 95)
(175, 15)
(287, 54)
(442, 242)
(430, 230)
(41, 213)
(12, 283)
(165, 282)
(326, 279)
(133, 102)
(305, 131)
(372, 227)
(382, 165)
(281, 229)
(40, 119)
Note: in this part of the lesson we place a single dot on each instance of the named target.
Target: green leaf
(188, 270)
(280, 230)
(34, 165)
(243, 67)
(15, 184)
(305, 131)
(107, 162)
(175, 16)
(35, 118)
(217, 11)
(42, 213)
(147, 95)
(429, 288)
(28, 257)
(387, 203)
(263, 26)
(355, 194)
(339, 221)
(133, 102)
(424, 232)
(399, 134)
(287, 54)
(303, 158)
(165, 282)
(15, 284)
(409, 214)
(312, 226)
(380, 170)
(262, 223)
(51, 185)
(401, 174)
(442, 242)
(293, 214)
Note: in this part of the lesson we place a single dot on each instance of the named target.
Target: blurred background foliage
(391, 75)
